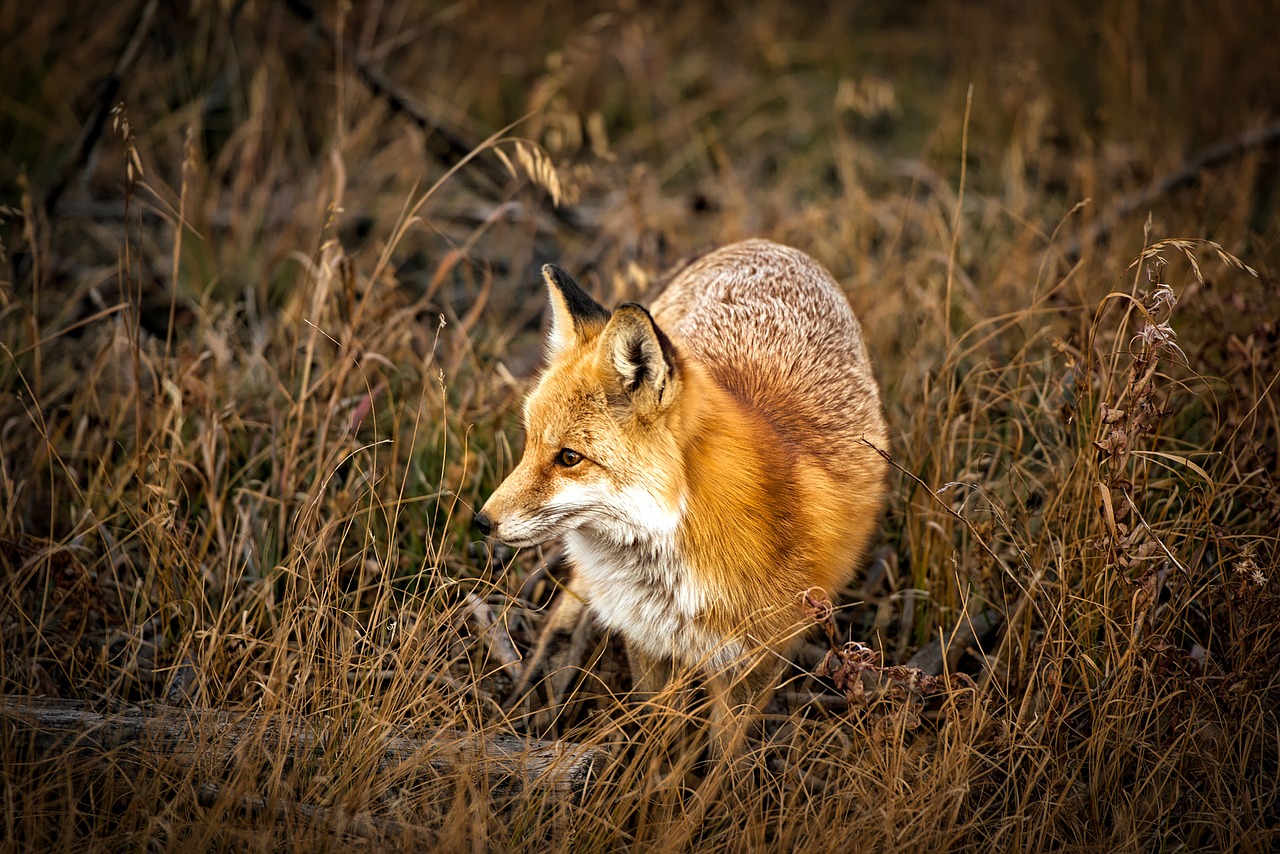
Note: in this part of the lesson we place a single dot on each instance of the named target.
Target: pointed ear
(575, 316)
(642, 356)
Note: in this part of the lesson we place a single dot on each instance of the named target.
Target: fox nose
(483, 523)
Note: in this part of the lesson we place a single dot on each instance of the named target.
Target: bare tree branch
(1183, 176)
(107, 91)
(446, 144)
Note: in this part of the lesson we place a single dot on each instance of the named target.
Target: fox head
(601, 449)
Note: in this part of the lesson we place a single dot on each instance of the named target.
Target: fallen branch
(948, 647)
(215, 741)
(443, 142)
(446, 144)
(1183, 176)
(102, 104)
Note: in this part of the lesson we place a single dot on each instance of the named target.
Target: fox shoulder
(775, 328)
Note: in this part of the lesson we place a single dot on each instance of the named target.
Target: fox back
(707, 463)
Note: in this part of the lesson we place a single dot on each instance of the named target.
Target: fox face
(600, 450)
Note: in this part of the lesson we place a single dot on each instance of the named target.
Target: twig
(1181, 177)
(107, 90)
(955, 222)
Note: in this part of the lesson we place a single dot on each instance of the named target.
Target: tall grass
(264, 361)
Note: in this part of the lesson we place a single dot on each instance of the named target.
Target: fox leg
(649, 674)
(566, 619)
(738, 699)
(738, 696)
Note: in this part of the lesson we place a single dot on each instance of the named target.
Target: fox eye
(568, 457)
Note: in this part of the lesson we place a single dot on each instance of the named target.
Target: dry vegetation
(261, 348)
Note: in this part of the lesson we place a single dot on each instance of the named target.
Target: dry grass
(239, 458)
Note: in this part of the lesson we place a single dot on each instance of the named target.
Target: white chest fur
(646, 592)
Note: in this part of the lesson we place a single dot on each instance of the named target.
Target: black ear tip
(557, 276)
(580, 304)
(559, 279)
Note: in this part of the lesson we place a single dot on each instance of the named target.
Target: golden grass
(239, 458)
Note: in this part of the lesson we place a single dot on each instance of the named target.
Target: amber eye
(568, 457)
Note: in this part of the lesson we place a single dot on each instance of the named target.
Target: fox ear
(640, 352)
(575, 316)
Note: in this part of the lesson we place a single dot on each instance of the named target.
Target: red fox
(705, 463)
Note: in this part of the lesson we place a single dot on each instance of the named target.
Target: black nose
(483, 523)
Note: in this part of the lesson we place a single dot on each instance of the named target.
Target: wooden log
(215, 741)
